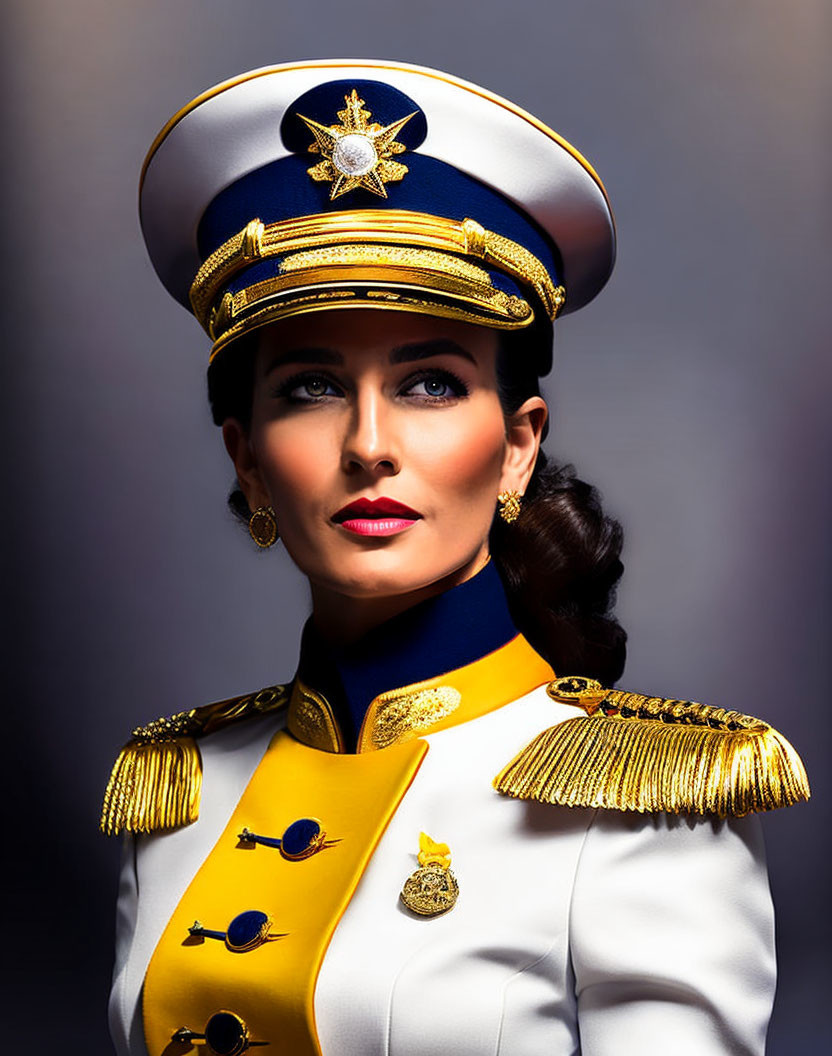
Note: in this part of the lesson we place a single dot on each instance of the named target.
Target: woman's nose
(369, 444)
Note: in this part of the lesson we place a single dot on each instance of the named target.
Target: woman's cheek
(292, 462)
(468, 460)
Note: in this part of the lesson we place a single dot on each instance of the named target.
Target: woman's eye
(435, 387)
(307, 389)
(315, 387)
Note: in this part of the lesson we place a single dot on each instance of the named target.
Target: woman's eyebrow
(319, 356)
(426, 349)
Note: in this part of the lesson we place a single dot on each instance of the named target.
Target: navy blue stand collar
(438, 635)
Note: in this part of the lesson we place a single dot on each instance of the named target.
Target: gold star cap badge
(358, 152)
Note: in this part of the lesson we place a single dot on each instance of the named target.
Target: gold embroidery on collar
(311, 720)
(396, 717)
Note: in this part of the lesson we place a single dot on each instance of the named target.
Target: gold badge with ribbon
(432, 889)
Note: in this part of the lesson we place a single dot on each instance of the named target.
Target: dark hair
(559, 561)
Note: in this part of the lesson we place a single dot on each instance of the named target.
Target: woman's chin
(368, 579)
(378, 586)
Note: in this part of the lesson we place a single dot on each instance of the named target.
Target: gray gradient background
(694, 393)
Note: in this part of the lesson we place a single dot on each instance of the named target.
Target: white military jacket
(576, 930)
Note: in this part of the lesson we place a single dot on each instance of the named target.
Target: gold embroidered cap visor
(395, 260)
(350, 184)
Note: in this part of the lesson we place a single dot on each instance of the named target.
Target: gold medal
(432, 889)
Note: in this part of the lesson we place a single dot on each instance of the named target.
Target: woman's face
(379, 440)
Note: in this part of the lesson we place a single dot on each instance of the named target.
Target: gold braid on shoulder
(157, 778)
(638, 753)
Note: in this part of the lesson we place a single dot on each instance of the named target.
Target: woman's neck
(341, 619)
(443, 633)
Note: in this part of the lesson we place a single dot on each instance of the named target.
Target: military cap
(367, 184)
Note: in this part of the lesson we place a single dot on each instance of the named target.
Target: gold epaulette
(632, 752)
(157, 779)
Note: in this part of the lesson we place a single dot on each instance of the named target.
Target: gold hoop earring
(510, 502)
(262, 527)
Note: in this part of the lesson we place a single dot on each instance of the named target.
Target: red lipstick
(375, 517)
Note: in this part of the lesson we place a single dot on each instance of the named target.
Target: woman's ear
(240, 452)
(524, 431)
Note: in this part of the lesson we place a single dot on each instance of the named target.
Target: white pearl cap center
(354, 154)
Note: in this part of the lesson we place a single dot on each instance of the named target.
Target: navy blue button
(226, 1034)
(247, 931)
(300, 836)
(302, 839)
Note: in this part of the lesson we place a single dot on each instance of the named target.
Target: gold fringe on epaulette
(682, 758)
(153, 786)
(157, 779)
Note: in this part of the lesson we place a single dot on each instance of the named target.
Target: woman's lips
(377, 517)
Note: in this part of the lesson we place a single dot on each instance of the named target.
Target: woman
(426, 842)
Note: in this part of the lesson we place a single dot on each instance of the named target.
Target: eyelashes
(309, 387)
(316, 386)
(452, 386)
